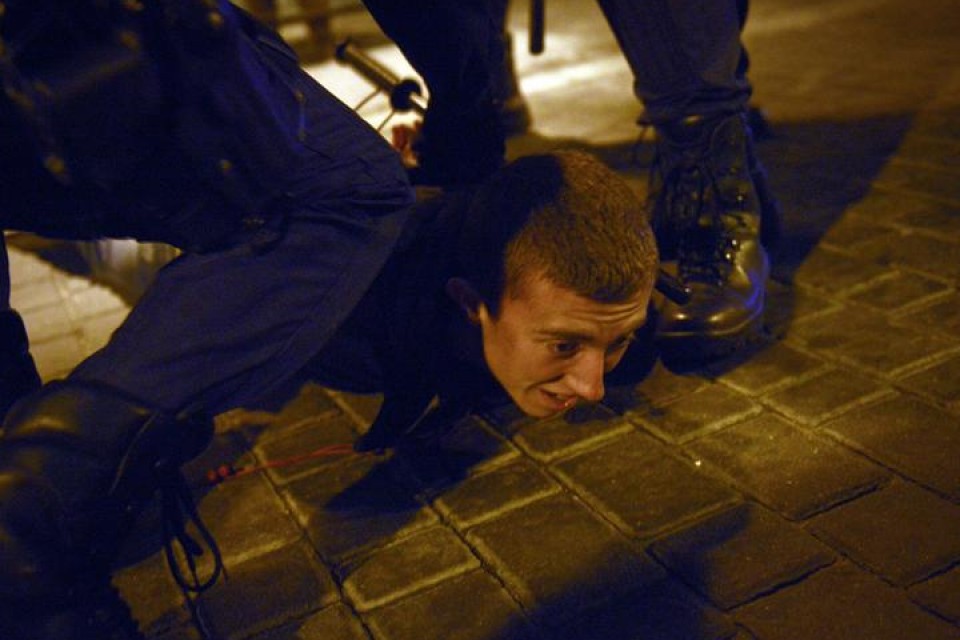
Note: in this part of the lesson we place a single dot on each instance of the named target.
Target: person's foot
(715, 218)
(78, 460)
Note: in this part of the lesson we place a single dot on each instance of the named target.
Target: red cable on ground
(225, 471)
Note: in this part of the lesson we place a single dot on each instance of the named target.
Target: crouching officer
(185, 122)
(535, 283)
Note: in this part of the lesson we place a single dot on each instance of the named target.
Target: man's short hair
(564, 216)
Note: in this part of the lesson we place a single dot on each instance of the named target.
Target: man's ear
(468, 298)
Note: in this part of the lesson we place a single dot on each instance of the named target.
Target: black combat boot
(714, 215)
(18, 373)
(77, 463)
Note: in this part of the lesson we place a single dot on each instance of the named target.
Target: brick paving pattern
(808, 491)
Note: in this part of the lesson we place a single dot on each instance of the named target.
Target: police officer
(185, 122)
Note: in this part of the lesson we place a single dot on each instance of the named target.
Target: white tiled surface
(67, 316)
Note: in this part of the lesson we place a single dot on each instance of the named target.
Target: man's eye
(565, 348)
(620, 343)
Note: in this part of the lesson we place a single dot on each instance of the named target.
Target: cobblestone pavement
(808, 491)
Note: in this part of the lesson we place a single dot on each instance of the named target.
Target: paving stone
(558, 559)
(474, 441)
(49, 322)
(791, 471)
(850, 231)
(244, 514)
(775, 366)
(870, 340)
(930, 150)
(96, 330)
(30, 295)
(473, 606)
(412, 564)
(247, 518)
(641, 487)
(154, 599)
(922, 252)
(549, 439)
(835, 272)
(916, 178)
(357, 504)
(663, 386)
(942, 316)
(437, 467)
(893, 350)
(940, 383)
(266, 592)
(933, 216)
(921, 532)
(706, 410)
(912, 437)
(839, 603)
(835, 327)
(296, 441)
(886, 206)
(898, 291)
(24, 261)
(664, 611)
(335, 622)
(488, 495)
(720, 556)
(937, 122)
(940, 594)
(835, 391)
(93, 300)
(787, 304)
(364, 407)
(311, 401)
(55, 358)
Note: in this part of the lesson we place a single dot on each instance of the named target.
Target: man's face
(549, 347)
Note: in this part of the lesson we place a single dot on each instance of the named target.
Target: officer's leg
(18, 373)
(458, 49)
(515, 117)
(710, 195)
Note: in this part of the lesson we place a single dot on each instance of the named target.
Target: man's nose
(585, 378)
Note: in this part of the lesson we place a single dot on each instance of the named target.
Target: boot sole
(701, 348)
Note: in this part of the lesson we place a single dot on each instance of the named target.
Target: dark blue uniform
(285, 203)
(180, 121)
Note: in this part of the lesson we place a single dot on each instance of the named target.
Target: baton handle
(537, 25)
(405, 94)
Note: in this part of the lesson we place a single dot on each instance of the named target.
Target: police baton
(405, 94)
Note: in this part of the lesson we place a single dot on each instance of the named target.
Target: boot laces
(180, 548)
(696, 217)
